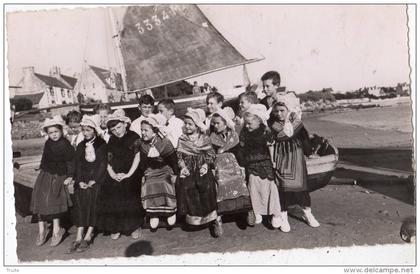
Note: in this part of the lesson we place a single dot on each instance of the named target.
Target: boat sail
(163, 44)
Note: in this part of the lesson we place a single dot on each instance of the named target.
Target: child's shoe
(217, 227)
(84, 245)
(276, 221)
(41, 239)
(56, 238)
(309, 217)
(258, 218)
(115, 236)
(171, 220)
(136, 233)
(250, 218)
(285, 226)
(74, 246)
(154, 222)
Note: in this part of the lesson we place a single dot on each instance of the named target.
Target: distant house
(99, 85)
(376, 91)
(403, 89)
(46, 90)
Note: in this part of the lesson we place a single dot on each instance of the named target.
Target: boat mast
(116, 37)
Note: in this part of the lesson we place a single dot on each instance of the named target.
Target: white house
(99, 85)
(375, 91)
(46, 91)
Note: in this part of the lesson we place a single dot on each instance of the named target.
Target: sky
(312, 46)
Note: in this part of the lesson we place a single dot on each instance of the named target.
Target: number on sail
(165, 16)
(148, 25)
(156, 20)
(139, 28)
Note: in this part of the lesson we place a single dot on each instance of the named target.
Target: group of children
(161, 168)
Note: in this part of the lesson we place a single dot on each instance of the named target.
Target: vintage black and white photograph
(210, 134)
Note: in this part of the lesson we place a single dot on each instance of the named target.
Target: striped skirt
(158, 192)
(290, 171)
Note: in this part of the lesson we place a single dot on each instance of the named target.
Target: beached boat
(321, 169)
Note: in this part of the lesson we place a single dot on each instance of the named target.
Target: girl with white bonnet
(232, 192)
(255, 140)
(291, 146)
(119, 209)
(91, 164)
(50, 196)
(159, 164)
(196, 187)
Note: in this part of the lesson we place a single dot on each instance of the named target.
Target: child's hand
(67, 181)
(274, 164)
(121, 176)
(83, 185)
(184, 172)
(203, 170)
(91, 183)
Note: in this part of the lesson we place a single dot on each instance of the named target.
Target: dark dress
(254, 154)
(289, 156)
(232, 191)
(85, 200)
(158, 184)
(50, 197)
(119, 207)
(196, 194)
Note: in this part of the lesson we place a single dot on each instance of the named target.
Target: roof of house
(69, 80)
(34, 97)
(51, 81)
(103, 74)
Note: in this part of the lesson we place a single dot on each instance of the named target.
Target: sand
(389, 127)
(396, 118)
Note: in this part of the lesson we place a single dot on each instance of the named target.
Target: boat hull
(182, 103)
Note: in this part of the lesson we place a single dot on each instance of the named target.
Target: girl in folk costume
(90, 173)
(160, 164)
(50, 196)
(232, 192)
(290, 147)
(196, 187)
(255, 140)
(119, 207)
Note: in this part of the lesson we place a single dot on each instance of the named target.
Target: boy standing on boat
(271, 85)
(146, 107)
(214, 101)
(174, 125)
(103, 111)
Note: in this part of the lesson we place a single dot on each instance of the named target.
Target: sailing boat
(160, 45)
